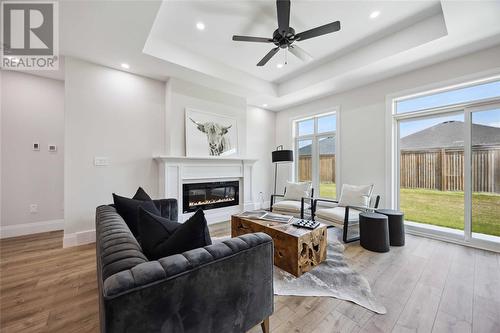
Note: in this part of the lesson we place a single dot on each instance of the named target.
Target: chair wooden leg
(265, 325)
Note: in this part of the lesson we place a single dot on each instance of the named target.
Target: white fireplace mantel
(174, 171)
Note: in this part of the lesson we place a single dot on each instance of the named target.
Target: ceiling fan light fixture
(374, 14)
(200, 26)
(285, 35)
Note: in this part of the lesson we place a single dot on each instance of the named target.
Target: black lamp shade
(282, 156)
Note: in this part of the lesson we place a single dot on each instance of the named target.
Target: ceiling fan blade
(300, 53)
(268, 56)
(319, 31)
(252, 39)
(283, 9)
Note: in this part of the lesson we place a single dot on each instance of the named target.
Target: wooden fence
(439, 169)
(443, 169)
(326, 168)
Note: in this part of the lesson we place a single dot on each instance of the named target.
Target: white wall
(255, 127)
(32, 110)
(111, 114)
(181, 95)
(363, 130)
(261, 126)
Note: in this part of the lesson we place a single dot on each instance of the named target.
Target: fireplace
(209, 195)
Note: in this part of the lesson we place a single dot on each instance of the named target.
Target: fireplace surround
(176, 171)
(209, 195)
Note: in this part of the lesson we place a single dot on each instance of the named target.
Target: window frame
(315, 137)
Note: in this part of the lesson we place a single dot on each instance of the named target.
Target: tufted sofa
(225, 287)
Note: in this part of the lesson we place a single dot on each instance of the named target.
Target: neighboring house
(326, 147)
(450, 134)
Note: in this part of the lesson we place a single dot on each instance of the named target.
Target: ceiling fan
(285, 36)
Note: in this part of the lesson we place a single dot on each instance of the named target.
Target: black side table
(374, 232)
(396, 226)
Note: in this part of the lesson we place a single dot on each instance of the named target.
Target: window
(315, 145)
(450, 97)
(448, 161)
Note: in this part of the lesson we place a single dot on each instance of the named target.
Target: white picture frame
(210, 135)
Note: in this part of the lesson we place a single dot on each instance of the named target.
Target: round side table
(396, 226)
(374, 232)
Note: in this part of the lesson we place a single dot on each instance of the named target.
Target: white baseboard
(15, 230)
(79, 238)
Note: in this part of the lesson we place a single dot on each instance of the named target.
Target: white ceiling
(176, 24)
(159, 40)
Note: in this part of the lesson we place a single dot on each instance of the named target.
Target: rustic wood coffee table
(296, 250)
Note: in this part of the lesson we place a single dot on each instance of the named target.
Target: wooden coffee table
(296, 250)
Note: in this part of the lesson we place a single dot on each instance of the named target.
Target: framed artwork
(209, 134)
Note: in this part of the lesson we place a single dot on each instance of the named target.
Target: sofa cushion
(355, 195)
(141, 195)
(296, 191)
(129, 210)
(161, 237)
(337, 215)
(290, 206)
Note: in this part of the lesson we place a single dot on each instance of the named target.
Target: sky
(325, 124)
(472, 93)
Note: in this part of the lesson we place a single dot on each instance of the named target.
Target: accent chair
(297, 200)
(344, 213)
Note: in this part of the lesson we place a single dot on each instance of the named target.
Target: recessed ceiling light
(280, 65)
(200, 26)
(126, 66)
(264, 105)
(374, 14)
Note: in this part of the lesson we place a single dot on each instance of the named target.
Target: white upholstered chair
(344, 213)
(296, 201)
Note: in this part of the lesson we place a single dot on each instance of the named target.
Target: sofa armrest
(168, 208)
(225, 287)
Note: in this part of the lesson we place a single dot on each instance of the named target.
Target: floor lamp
(280, 155)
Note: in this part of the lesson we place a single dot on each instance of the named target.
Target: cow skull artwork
(217, 138)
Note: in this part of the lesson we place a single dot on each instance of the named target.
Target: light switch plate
(52, 148)
(101, 161)
(36, 146)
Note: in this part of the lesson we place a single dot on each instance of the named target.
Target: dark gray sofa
(225, 287)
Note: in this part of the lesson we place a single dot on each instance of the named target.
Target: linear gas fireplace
(209, 195)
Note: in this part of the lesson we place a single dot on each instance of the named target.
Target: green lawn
(444, 209)
(327, 191)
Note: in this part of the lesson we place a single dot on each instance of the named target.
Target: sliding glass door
(447, 162)
(485, 172)
(432, 170)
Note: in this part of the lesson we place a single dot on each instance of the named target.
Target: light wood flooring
(427, 286)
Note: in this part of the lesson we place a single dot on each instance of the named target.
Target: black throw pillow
(161, 237)
(141, 195)
(129, 210)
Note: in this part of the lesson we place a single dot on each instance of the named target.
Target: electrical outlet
(33, 208)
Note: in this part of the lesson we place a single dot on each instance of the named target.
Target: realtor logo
(29, 35)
